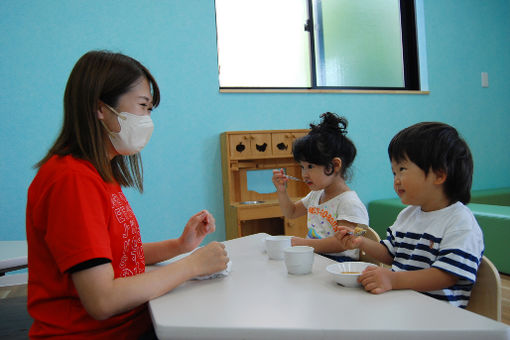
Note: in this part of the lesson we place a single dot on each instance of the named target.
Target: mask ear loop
(106, 128)
(115, 111)
(111, 133)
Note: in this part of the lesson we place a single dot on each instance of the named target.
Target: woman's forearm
(155, 252)
(103, 297)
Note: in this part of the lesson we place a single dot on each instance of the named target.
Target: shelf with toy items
(248, 211)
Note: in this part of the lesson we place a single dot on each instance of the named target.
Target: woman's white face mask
(135, 132)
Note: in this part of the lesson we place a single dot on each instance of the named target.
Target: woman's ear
(100, 110)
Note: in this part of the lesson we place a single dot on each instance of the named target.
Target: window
(317, 44)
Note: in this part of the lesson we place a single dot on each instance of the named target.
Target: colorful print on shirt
(322, 218)
(325, 222)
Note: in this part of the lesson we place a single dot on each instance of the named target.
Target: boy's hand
(376, 280)
(346, 240)
(279, 180)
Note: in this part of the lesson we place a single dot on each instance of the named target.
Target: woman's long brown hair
(99, 76)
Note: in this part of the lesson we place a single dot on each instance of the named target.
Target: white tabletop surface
(13, 255)
(259, 300)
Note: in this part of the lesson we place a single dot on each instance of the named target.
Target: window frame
(411, 62)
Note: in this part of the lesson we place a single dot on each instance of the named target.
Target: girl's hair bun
(324, 142)
(330, 122)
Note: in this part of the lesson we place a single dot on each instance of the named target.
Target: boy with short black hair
(435, 244)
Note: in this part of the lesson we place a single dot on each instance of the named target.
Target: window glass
(262, 43)
(317, 44)
(359, 43)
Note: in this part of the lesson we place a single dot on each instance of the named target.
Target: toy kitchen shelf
(249, 212)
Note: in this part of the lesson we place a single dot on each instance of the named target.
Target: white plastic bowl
(347, 273)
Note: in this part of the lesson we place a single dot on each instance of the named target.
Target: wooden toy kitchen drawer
(249, 212)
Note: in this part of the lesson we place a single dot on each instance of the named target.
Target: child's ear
(440, 176)
(337, 164)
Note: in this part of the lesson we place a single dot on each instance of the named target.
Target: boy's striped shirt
(449, 239)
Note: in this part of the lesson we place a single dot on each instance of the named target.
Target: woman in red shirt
(86, 260)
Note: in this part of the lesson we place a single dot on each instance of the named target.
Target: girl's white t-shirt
(322, 218)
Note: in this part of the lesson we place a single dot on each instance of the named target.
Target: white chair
(371, 234)
(486, 293)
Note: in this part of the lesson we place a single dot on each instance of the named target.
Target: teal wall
(41, 41)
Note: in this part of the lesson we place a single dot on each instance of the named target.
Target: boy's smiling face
(414, 187)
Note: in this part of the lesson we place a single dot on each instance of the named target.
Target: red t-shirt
(74, 216)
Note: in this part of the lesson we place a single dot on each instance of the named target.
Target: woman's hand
(279, 180)
(376, 280)
(198, 226)
(209, 259)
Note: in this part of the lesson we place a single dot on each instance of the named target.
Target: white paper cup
(275, 246)
(299, 260)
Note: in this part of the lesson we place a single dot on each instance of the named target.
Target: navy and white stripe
(448, 239)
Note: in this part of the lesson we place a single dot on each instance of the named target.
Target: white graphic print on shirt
(132, 260)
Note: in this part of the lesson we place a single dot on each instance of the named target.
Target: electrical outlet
(485, 79)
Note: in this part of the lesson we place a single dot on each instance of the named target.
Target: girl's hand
(279, 180)
(198, 226)
(209, 259)
(346, 240)
(298, 241)
(376, 280)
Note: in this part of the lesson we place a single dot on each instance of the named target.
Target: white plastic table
(13, 255)
(259, 300)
